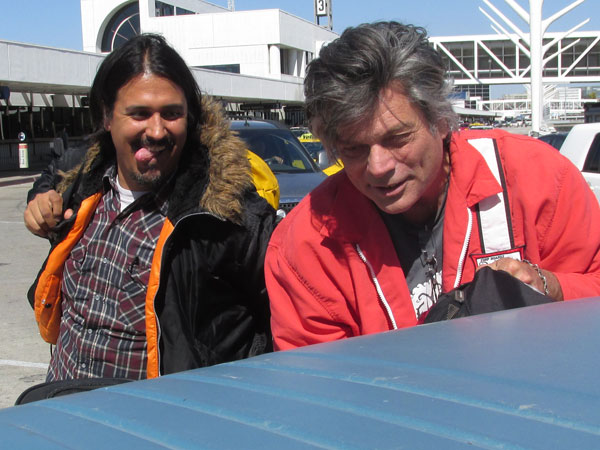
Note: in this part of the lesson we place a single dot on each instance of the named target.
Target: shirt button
(105, 260)
(89, 331)
(96, 297)
(83, 365)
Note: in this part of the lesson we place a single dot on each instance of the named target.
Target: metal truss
(538, 56)
(494, 59)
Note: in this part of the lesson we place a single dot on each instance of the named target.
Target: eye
(354, 151)
(397, 140)
(139, 114)
(172, 114)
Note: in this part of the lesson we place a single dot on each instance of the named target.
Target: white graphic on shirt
(423, 295)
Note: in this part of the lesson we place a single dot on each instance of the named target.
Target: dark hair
(343, 84)
(145, 53)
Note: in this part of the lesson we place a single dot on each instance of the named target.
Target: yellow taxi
(318, 153)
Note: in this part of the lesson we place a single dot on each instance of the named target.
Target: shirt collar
(160, 197)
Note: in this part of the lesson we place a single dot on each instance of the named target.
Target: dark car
(299, 131)
(554, 139)
(296, 172)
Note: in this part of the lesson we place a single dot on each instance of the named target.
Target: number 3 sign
(321, 7)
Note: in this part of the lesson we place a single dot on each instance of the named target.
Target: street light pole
(537, 65)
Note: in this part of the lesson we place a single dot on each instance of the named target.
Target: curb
(13, 182)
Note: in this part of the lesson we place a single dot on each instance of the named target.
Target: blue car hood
(294, 186)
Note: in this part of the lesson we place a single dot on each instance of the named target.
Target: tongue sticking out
(144, 155)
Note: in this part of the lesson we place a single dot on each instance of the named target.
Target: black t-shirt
(419, 250)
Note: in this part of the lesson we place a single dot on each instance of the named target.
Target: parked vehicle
(582, 147)
(299, 131)
(480, 126)
(312, 144)
(319, 154)
(296, 172)
(521, 378)
(554, 139)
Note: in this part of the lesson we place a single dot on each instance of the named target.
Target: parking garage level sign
(322, 7)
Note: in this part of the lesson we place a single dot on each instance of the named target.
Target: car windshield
(313, 148)
(279, 149)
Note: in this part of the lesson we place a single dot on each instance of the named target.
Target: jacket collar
(469, 172)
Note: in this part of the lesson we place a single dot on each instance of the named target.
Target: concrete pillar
(274, 61)
(303, 63)
(294, 56)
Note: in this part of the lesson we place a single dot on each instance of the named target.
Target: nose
(380, 162)
(155, 127)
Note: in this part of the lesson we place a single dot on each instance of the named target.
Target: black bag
(491, 290)
(64, 387)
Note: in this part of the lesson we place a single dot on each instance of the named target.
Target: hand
(528, 275)
(274, 160)
(44, 212)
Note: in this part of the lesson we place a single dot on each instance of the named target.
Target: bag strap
(493, 213)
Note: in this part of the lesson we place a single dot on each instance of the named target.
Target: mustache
(154, 145)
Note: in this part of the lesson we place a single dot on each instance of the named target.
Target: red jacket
(332, 271)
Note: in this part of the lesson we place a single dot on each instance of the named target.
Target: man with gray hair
(419, 207)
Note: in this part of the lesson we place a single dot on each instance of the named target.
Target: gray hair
(343, 84)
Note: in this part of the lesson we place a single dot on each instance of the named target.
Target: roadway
(23, 355)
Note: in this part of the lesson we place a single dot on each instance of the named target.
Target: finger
(43, 211)
(520, 270)
(68, 214)
(33, 224)
(55, 203)
(38, 212)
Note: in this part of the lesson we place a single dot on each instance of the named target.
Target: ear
(106, 123)
(442, 128)
(107, 120)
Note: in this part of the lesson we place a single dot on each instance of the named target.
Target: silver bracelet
(540, 274)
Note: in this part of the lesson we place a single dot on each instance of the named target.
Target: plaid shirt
(103, 329)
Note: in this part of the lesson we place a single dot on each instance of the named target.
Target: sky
(57, 23)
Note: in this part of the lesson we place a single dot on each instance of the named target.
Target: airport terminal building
(253, 61)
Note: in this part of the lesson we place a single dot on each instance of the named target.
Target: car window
(592, 162)
(554, 139)
(558, 140)
(313, 148)
(279, 149)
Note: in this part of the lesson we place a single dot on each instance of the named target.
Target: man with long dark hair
(158, 266)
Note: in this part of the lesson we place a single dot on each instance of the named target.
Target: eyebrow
(133, 108)
(399, 127)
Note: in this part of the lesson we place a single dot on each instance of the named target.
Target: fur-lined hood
(213, 178)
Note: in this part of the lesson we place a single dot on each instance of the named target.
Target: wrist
(541, 274)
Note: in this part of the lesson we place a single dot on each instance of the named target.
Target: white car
(582, 147)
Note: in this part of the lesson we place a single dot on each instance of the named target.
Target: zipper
(463, 253)
(382, 298)
(160, 278)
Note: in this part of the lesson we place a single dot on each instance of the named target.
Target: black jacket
(211, 304)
